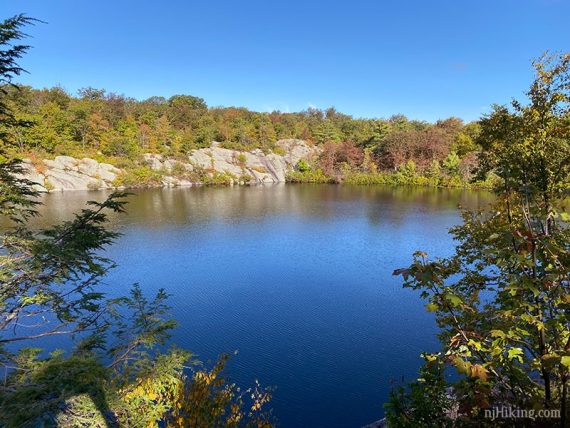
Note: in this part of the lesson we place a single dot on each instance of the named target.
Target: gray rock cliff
(68, 173)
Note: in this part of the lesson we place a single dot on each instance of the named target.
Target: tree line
(119, 129)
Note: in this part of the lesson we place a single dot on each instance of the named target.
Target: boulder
(106, 175)
(66, 162)
(110, 168)
(153, 160)
(88, 166)
(70, 180)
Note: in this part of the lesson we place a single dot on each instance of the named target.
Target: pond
(296, 278)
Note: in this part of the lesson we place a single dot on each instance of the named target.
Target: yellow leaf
(480, 372)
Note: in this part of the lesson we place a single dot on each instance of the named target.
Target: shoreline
(215, 166)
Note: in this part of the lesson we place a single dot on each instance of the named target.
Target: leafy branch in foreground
(10, 52)
(48, 280)
(17, 193)
(50, 284)
(502, 301)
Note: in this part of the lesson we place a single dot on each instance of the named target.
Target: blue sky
(424, 59)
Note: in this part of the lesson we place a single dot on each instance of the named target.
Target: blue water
(297, 278)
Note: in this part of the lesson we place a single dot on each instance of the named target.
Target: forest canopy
(118, 129)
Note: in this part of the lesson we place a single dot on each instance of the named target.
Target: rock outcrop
(68, 173)
(258, 167)
(252, 167)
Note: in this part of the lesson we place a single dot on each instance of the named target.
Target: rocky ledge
(251, 167)
(68, 173)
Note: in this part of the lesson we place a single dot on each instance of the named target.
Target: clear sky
(425, 59)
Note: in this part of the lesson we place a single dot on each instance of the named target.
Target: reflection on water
(159, 207)
(295, 277)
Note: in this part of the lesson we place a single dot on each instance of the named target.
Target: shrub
(302, 166)
(316, 176)
(140, 176)
(424, 403)
(241, 158)
(219, 179)
(278, 150)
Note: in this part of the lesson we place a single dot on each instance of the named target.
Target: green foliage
(451, 164)
(242, 159)
(119, 130)
(303, 166)
(50, 285)
(146, 327)
(179, 170)
(465, 141)
(327, 132)
(35, 392)
(49, 277)
(527, 147)
(121, 146)
(279, 150)
(404, 176)
(407, 171)
(184, 108)
(16, 200)
(10, 34)
(502, 300)
(434, 172)
(219, 179)
(308, 176)
(96, 123)
(424, 404)
(139, 176)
